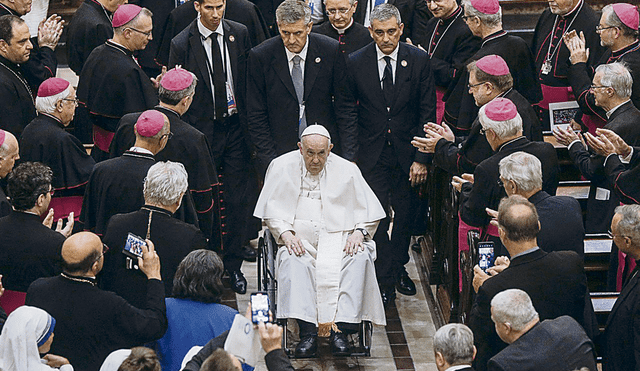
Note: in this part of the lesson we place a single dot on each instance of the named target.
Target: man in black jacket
(164, 187)
(555, 281)
(350, 35)
(90, 322)
(9, 154)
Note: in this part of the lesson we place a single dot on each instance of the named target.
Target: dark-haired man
(91, 323)
(30, 250)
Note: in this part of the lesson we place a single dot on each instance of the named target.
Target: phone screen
(486, 255)
(259, 307)
(133, 246)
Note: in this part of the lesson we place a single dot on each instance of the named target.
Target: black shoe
(388, 295)
(238, 282)
(248, 254)
(404, 285)
(340, 344)
(307, 347)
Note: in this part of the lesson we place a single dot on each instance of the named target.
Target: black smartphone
(133, 246)
(486, 255)
(259, 307)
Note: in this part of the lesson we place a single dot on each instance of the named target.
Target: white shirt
(342, 30)
(140, 150)
(382, 64)
(302, 54)
(206, 43)
(611, 111)
(370, 5)
(458, 367)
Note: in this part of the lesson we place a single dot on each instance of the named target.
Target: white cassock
(324, 285)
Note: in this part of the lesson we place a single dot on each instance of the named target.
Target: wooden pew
(597, 250)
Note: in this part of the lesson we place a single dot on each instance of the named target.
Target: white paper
(602, 194)
(243, 342)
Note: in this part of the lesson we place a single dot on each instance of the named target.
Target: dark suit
(384, 136)
(555, 282)
(414, 14)
(555, 211)
(226, 135)
(623, 121)
(172, 238)
(29, 250)
(625, 179)
(90, 27)
(554, 344)
(273, 109)
(485, 191)
(621, 345)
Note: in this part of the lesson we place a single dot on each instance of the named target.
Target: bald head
(81, 252)
(518, 219)
(9, 153)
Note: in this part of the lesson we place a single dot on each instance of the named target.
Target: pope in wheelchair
(323, 215)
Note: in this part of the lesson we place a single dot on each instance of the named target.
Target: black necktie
(387, 82)
(219, 79)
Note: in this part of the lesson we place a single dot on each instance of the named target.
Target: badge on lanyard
(231, 100)
(546, 67)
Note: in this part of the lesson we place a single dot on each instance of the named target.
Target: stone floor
(406, 343)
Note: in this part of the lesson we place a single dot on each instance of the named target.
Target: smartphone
(486, 255)
(133, 246)
(259, 307)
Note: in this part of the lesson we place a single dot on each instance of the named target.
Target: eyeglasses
(500, 184)
(338, 11)
(594, 87)
(169, 135)
(483, 131)
(600, 28)
(466, 17)
(474, 85)
(105, 248)
(75, 101)
(147, 34)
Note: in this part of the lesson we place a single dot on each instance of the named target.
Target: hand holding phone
(259, 307)
(486, 255)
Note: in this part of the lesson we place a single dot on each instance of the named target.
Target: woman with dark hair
(194, 313)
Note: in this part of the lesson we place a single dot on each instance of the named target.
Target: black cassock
(581, 76)
(17, 107)
(161, 10)
(187, 146)
(5, 205)
(241, 11)
(111, 85)
(460, 107)
(355, 37)
(90, 27)
(42, 63)
(115, 187)
(625, 177)
(45, 140)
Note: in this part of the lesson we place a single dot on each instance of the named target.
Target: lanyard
(21, 80)
(224, 56)
(433, 35)
(503, 33)
(549, 52)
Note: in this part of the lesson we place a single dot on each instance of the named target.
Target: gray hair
(629, 225)
(489, 20)
(48, 104)
(174, 97)
(455, 342)
(384, 12)
(503, 129)
(524, 169)
(616, 75)
(611, 19)
(165, 183)
(292, 11)
(351, 2)
(134, 22)
(514, 307)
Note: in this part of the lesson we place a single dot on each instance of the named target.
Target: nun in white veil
(26, 334)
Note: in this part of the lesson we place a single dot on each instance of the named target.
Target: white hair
(514, 307)
(292, 11)
(490, 20)
(48, 104)
(165, 183)
(629, 225)
(455, 342)
(503, 129)
(616, 75)
(524, 169)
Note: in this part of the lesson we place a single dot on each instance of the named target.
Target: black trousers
(231, 157)
(391, 185)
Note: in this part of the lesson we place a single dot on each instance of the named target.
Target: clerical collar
(526, 252)
(457, 367)
(342, 30)
(168, 110)
(117, 46)
(627, 49)
(27, 212)
(493, 36)
(205, 32)
(503, 93)
(81, 279)
(156, 209)
(11, 11)
(302, 54)
(574, 10)
(145, 151)
(12, 66)
(611, 111)
(452, 16)
(393, 55)
(107, 13)
(509, 142)
(57, 120)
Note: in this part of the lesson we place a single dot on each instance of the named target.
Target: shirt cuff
(572, 143)
(626, 160)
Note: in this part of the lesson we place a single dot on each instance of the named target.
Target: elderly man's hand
(425, 145)
(501, 263)
(444, 131)
(55, 361)
(49, 31)
(270, 336)
(150, 262)
(417, 174)
(354, 243)
(620, 146)
(68, 229)
(457, 181)
(493, 214)
(293, 243)
(565, 137)
(577, 47)
(600, 145)
(479, 277)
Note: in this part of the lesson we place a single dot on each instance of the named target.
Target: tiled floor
(406, 343)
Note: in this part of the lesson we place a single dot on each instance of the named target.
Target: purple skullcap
(486, 6)
(176, 79)
(3, 135)
(628, 14)
(124, 14)
(501, 109)
(149, 123)
(493, 64)
(52, 86)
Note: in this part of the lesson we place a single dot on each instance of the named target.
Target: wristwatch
(364, 232)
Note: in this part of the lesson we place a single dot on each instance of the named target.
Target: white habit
(324, 285)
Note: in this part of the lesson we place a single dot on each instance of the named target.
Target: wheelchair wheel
(268, 268)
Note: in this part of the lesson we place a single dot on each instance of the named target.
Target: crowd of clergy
(195, 125)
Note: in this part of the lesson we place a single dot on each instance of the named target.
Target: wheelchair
(267, 250)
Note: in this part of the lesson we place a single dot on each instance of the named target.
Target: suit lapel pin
(318, 60)
(403, 63)
(232, 38)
